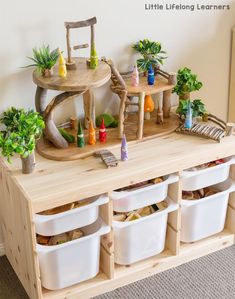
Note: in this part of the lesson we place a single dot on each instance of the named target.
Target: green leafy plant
(22, 129)
(186, 82)
(198, 108)
(43, 58)
(109, 120)
(152, 54)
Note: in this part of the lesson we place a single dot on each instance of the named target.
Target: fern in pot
(44, 60)
(21, 130)
(151, 52)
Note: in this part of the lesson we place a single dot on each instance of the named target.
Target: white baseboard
(2, 249)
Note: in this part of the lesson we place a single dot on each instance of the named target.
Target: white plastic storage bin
(194, 180)
(205, 217)
(49, 225)
(125, 201)
(142, 238)
(72, 262)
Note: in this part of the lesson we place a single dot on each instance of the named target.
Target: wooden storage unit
(57, 183)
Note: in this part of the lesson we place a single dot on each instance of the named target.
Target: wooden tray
(151, 130)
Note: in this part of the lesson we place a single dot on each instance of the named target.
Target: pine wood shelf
(56, 183)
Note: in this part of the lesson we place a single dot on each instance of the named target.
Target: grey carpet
(210, 277)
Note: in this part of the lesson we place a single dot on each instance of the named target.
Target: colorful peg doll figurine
(62, 66)
(135, 80)
(80, 136)
(124, 149)
(151, 77)
(92, 137)
(94, 58)
(102, 132)
(189, 118)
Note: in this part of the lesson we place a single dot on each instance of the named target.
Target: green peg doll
(93, 58)
(80, 136)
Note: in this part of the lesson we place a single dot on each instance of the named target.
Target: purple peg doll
(124, 149)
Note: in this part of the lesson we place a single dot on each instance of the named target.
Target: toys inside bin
(137, 214)
(207, 165)
(199, 194)
(142, 184)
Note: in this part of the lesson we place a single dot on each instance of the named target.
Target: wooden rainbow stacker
(54, 184)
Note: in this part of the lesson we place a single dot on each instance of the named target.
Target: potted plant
(152, 54)
(197, 106)
(22, 129)
(186, 83)
(44, 60)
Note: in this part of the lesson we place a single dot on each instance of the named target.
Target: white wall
(199, 40)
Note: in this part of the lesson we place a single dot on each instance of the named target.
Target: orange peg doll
(92, 137)
(102, 132)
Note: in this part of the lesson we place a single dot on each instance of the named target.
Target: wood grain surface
(77, 80)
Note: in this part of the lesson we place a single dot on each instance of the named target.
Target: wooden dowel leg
(229, 129)
(92, 36)
(140, 116)
(160, 112)
(70, 64)
(68, 45)
(123, 97)
(167, 103)
(89, 107)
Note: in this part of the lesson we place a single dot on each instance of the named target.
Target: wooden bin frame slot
(174, 220)
(107, 241)
(230, 219)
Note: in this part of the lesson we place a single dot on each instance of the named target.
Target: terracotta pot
(47, 73)
(28, 164)
(185, 96)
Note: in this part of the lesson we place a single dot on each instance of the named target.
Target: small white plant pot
(125, 201)
(72, 262)
(194, 180)
(49, 225)
(205, 217)
(141, 238)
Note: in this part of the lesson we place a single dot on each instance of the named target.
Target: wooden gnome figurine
(102, 132)
(62, 66)
(92, 137)
(148, 106)
(151, 77)
(124, 149)
(94, 58)
(80, 136)
(135, 80)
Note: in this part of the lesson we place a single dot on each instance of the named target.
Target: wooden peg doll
(124, 149)
(92, 137)
(135, 77)
(80, 136)
(102, 132)
(62, 66)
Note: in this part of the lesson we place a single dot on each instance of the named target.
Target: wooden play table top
(76, 80)
(160, 85)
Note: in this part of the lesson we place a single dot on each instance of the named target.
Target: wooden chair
(75, 25)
